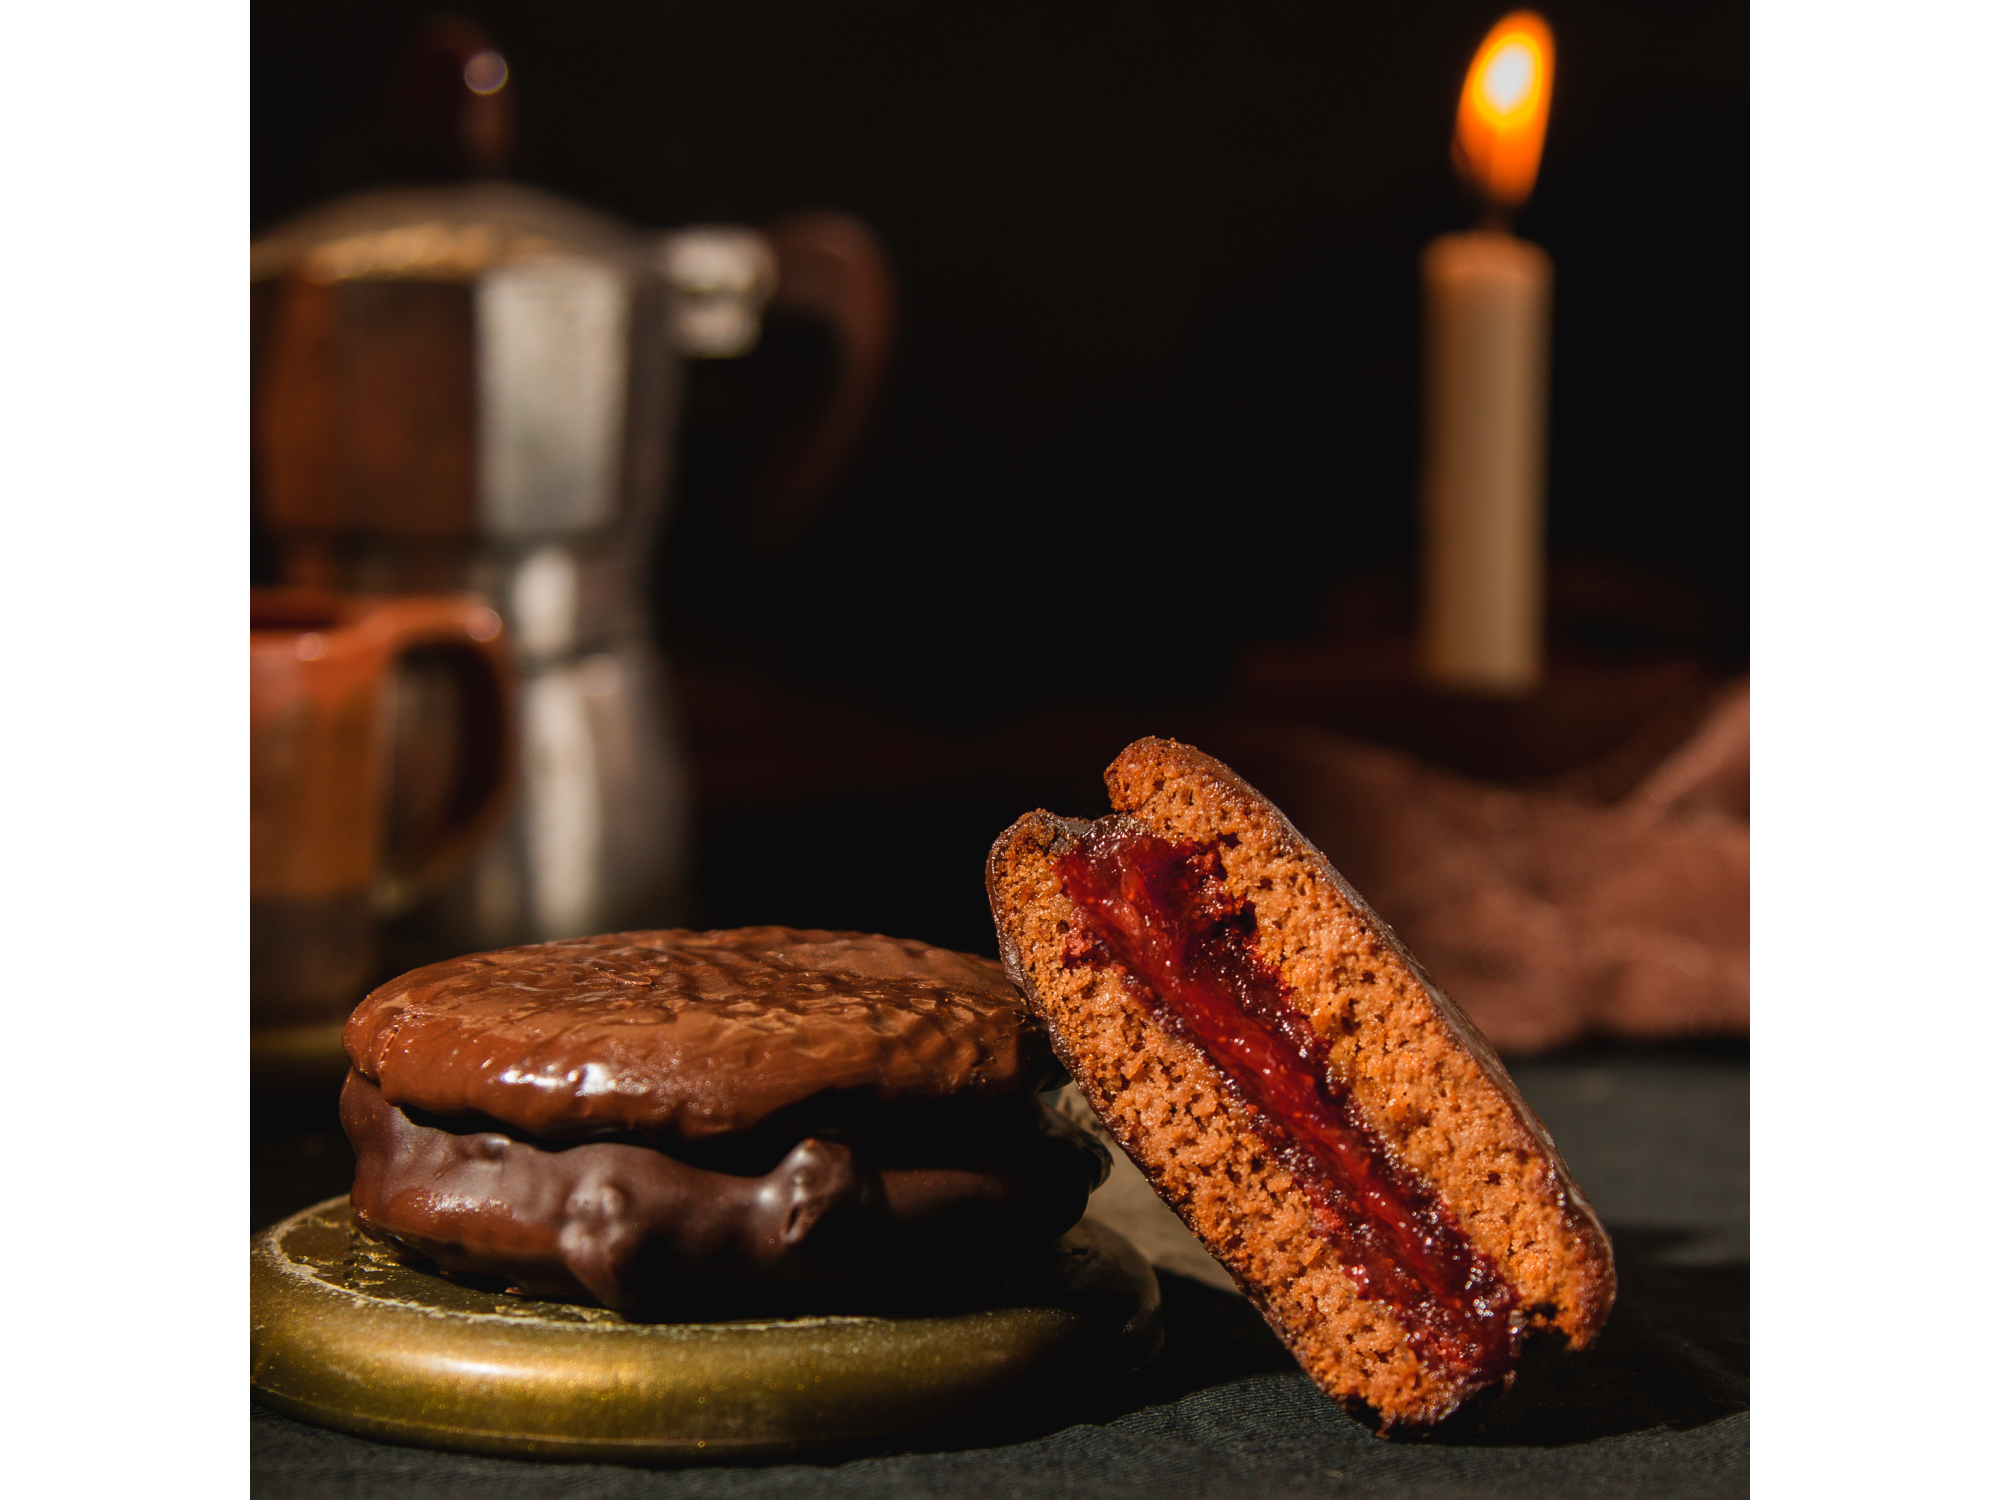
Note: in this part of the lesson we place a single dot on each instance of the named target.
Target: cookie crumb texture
(1411, 1070)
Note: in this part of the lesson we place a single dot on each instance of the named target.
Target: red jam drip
(1158, 912)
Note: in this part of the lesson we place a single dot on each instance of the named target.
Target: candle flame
(1503, 111)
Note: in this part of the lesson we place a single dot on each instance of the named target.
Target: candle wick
(1488, 217)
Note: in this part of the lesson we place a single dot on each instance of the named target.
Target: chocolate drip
(625, 1224)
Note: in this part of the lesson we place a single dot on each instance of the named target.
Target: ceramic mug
(381, 755)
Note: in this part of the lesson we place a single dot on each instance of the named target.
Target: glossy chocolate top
(690, 1035)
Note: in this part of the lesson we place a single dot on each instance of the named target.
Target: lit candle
(1486, 308)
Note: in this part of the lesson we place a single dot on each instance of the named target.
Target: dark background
(1154, 411)
(1155, 397)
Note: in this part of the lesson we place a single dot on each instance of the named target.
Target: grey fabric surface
(1660, 1140)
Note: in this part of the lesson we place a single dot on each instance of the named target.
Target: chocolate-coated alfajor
(638, 1116)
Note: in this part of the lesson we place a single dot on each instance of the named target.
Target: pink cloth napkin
(1548, 918)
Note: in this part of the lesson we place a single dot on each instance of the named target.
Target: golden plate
(345, 1335)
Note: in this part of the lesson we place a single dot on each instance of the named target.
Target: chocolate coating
(626, 1224)
(685, 1036)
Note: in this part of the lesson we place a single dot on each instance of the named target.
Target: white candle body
(1486, 306)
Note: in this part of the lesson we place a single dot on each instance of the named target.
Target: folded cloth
(1548, 917)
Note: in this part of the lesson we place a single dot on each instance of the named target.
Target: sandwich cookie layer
(1321, 1116)
(628, 1225)
(645, 1115)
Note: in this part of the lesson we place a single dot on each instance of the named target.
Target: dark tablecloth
(1659, 1406)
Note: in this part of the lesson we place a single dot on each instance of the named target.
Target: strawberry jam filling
(1157, 912)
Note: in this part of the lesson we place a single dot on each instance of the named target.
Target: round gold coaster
(344, 1335)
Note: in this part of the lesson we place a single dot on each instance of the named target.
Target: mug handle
(832, 270)
(483, 778)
